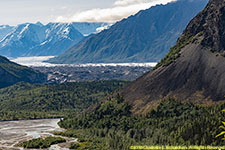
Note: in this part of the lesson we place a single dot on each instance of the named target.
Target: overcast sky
(15, 12)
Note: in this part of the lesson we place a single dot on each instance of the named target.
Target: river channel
(13, 132)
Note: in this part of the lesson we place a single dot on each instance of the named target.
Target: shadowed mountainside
(144, 37)
(12, 73)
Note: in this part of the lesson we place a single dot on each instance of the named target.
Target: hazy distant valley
(61, 73)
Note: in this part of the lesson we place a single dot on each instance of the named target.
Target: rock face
(193, 70)
(144, 37)
(11, 73)
(210, 22)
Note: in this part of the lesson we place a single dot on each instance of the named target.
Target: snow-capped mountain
(39, 40)
(43, 40)
(58, 38)
(4, 30)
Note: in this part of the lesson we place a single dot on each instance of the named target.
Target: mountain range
(144, 37)
(12, 73)
(43, 40)
(193, 70)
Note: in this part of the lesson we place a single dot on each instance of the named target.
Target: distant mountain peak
(36, 39)
(39, 23)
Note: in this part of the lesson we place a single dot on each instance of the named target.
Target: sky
(13, 12)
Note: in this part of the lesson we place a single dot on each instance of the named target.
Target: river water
(13, 132)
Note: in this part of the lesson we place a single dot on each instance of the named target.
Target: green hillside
(43, 101)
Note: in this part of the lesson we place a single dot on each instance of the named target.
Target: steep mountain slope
(38, 39)
(87, 28)
(4, 30)
(11, 73)
(144, 37)
(193, 70)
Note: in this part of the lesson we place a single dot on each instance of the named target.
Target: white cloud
(128, 2)
(120, 10)
(104, 27)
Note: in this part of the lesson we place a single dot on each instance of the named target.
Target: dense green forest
(32, 101)
(112, 126)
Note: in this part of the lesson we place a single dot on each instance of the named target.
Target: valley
(154, 79)
(61, 74)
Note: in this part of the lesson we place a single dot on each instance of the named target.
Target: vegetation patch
(67, 133)
(112, 126)
(27, 115)
(40, 143)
